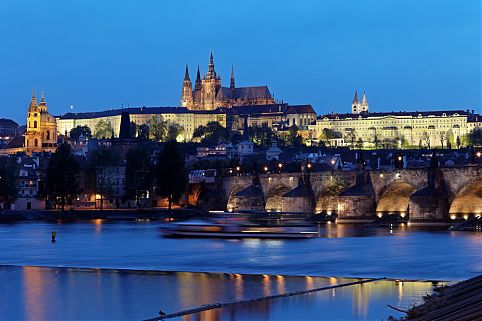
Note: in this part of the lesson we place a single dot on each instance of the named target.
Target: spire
(231, 85)
(355, 99)
(186, 74)
(211, 73)
(198, 80)
(364, 99)
(33, 103)
(42, 100)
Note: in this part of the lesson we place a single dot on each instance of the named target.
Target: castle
(208, 94)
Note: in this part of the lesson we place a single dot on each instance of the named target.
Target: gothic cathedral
(208, 94)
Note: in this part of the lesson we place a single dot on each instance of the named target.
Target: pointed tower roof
(355, 99)
(231, 84)
(364, 99)
(198, 79)
(33, 103)
(211, 73)
(186, 74)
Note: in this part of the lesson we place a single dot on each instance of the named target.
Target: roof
(259, 109)
(436, 113)
(16, 142)
(252, 190)
(4, 122)
(300, 109)
(302, 190)
(244, 92)
(137, 110)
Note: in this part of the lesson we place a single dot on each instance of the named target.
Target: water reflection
(64, 294)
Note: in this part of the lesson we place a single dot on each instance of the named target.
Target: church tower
(186, 96)
(358, 107)
(211, 83)
(364, 104)
(355, 104)
(41, 133)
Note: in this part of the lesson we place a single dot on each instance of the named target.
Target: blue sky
(94, 55)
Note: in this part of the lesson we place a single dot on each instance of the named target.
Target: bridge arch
(395, 199)
(468, 201)
(231, 198)
(274, 198)
(327, 199)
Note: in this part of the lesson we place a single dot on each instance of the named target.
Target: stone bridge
(457, 191)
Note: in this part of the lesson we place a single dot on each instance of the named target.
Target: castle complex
(208, 94)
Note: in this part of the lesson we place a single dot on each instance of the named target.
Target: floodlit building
(417, 129)
(189, 120)
(208, 93)
(41, 133)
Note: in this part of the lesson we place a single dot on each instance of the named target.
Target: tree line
(163, 173)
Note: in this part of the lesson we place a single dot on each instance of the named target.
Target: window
(36, 142)
(34, 124)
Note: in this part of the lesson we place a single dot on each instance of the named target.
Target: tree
(143, 132)
(211, 134)
(8, 180)
(103, 129)
(100, 160)
(62, 176)
(327, 135)
(139, 170)
(133, 129)
(458, 142)
(262, 136)
(173, 131)
(171, 173)
(293, 137)
(80, 130)
(157, 128)
(475, 137)
(351, 135)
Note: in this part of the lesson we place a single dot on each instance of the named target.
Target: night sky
(94, 55)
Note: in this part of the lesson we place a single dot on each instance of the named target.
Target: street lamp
(280, 166)
(266, 168)
(309, 165)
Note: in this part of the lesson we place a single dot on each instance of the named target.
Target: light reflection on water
(342, 250)
(34, 293)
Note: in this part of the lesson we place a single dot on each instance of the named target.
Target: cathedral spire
(186, 74)
(355, 99)
(211, 73)
(231, 84)
(198, 84)
(33, 103)
(364, 99)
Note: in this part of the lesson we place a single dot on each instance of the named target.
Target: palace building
(409, 129)
(208, 93)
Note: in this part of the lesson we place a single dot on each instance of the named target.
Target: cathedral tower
(358, 107)
(211, 84)
(186, 96)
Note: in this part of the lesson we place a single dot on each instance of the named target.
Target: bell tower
(186, 96)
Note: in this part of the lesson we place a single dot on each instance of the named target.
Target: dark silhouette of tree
(62, 176)
(475, 137)
(174, 130)
(157, 128)
(100, 160)
(80, 130)
(211, 134)
(8, 181)
(139, 173)
(103, 129)
(171, 173)
(143, 132)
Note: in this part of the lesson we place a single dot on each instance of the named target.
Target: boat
(237, 229)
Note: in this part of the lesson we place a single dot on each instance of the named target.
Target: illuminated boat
(230, 229)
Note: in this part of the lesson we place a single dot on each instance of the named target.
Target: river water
(58, 293)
